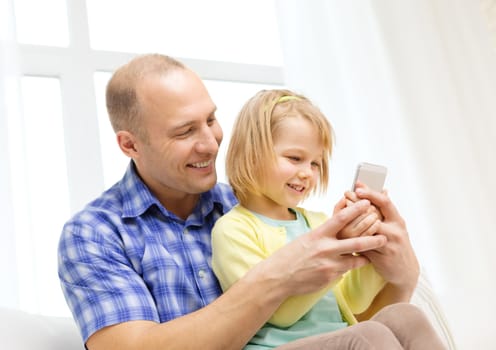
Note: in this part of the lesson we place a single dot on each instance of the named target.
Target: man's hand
(396, 261)
(318, 258)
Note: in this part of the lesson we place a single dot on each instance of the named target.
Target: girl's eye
(316, 164)
(294, 158)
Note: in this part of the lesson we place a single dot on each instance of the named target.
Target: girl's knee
(374, 334)
(410, 325)
(402, 313)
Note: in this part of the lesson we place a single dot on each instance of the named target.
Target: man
(135, 263)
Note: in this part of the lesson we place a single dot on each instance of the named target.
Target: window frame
(75, 66)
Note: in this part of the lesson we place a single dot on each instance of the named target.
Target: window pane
(42, 22)
(42, 196)
(220, 30)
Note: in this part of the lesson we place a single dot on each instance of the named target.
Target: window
(41, 192)
(61, 148)
(42, 22)
(219, 30)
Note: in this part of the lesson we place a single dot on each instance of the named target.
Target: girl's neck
(265, 207)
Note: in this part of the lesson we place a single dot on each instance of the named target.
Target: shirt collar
(137, 198)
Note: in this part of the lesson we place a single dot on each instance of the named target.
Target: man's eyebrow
(183, 125)
(192, 122)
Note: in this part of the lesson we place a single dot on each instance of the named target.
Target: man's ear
(127, 143)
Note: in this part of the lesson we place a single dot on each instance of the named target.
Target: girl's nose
(305, 171)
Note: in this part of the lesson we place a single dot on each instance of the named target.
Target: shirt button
(201, 273)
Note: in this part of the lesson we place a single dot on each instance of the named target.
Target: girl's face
(296, 170)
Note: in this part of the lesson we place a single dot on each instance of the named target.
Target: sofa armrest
(425, 298)
(20, 330)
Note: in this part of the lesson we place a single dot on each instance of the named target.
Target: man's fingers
(380, 200)
(361, 244)
(353, 262)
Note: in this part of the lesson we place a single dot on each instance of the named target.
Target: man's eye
(185, 132)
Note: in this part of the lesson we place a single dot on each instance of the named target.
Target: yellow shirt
(240, 240)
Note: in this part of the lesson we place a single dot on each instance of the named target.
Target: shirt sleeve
(99, 282)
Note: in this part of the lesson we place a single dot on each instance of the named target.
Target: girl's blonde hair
(251, 148)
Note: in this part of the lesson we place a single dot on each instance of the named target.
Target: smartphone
(373, 175)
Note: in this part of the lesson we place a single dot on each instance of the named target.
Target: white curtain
(9, 109)
(412, 85)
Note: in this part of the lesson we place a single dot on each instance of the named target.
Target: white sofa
(20, 330)
(425, 298)
(23, 331)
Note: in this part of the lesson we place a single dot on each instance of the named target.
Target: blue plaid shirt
(125, 257)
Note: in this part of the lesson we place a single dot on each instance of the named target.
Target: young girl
(278, 155)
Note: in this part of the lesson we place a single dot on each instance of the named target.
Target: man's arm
(227, 323)
(305, 265)
(396, 261)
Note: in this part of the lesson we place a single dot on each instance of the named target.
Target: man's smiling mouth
(201, 164)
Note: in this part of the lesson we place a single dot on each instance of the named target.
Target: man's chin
(204, 185)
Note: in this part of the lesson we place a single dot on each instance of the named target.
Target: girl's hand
(366, 224)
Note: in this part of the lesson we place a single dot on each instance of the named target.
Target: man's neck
(181, 206)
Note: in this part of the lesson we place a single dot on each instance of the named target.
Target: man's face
(183, 136)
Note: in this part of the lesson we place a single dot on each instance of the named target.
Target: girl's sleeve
(357, 289)
(236, 248)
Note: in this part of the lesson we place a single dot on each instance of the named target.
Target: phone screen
(373, 175)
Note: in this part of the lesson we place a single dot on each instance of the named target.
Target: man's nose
(208, 142)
